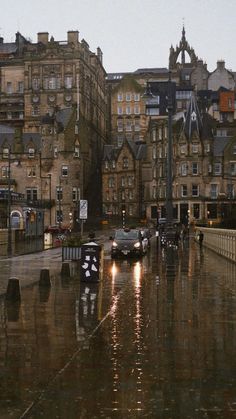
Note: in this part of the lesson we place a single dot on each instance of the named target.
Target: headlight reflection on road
(137, 274)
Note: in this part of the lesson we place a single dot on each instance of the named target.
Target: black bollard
(13, 290)
(65, 270)
(44, 280)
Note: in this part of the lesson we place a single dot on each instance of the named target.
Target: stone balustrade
(222, 241)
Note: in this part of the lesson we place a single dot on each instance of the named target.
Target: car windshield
(126, 235)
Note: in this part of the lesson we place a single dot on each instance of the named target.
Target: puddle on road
(155, 338)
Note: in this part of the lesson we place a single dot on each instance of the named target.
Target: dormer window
(125, 163)
(77, 150)
(113, 164)
(5, 152)
(106, 165)
(195, 148)
(31, 152)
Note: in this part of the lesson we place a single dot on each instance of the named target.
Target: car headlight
(137, 245)
(114, 244)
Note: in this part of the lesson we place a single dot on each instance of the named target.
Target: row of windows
(128, 125)
(31, 152)
(52, 83)
(128, 110)
(33, 195)
(194, 192)
(112, 164)
(128, 97)
(129, 194)
(184, 169)
(114, 209)
(125, 181)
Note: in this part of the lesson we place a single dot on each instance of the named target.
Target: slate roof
(8, 48)
(219, 145)
(7, 135)
(111, 152)
(193, 120)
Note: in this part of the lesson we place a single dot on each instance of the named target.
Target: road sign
(83, 209)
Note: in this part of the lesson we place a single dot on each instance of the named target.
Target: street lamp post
(170, 233)
(9, 230)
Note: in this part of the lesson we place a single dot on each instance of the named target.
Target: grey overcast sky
(131, 33)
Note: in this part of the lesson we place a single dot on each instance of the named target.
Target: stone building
(122, 180)
(55, 91)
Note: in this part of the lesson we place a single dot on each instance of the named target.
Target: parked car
(127, 242)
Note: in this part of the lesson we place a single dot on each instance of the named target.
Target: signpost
(83, 212)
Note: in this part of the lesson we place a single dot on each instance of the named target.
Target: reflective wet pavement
(154, 339)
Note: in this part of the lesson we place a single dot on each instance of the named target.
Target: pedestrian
(200, 238)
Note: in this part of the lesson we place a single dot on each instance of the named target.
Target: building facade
(55, 91)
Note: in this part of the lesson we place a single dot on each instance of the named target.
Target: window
(31, 171)
(137, 110)
(214, 191)
(184, 191)
(160, 133)
(217, 168)
(59, 193)
(113, 164)
(77, 150)
(68, 82)
(230, 191)
(20, 87)
(59, 215)
(207, 148)
(119, 97)
(55, 152)
(154, 192)
(154, 173)
(31, 194)
(125, 162)
(195, 148)
(234, 149)
(122, 181)
(128, 110)
(128, 126)
(120, 125)
(233, 169)
(106, 165)
(152, 111)
(35, 84)
(154, 152)
(195, 190)
(154, 135)
(131, 195)
(128, 97)
(183, 169)
(111, 182)
(64, 171)
(75, 194)
(35, 111)
(119, 110)
(136, 126)
(9, 88)
(195, 168)
(120, 140)
(9, 115)
(5, 153)
(196, 211)
(123, 195)
(31, 152)
(136, 97)
(130, 180)
(183, 149)
(130, 209)
(5, 171)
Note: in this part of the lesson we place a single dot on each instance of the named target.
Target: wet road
(155, 338)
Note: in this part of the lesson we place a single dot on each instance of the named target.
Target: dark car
(127, 242)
